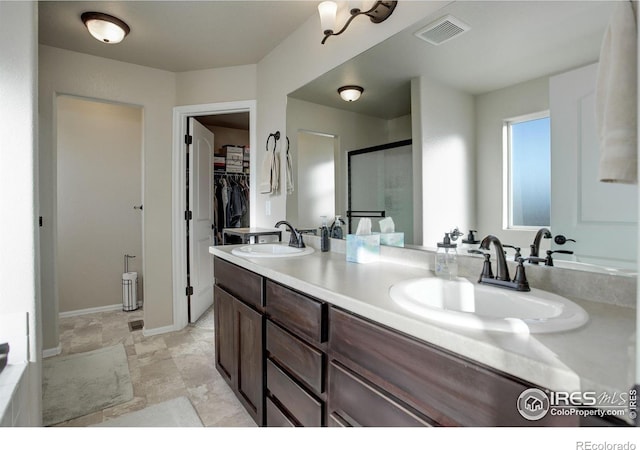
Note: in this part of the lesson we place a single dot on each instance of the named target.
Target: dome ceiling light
(350, 93)
(105, 28)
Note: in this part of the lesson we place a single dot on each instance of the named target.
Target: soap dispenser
(447, 259)
(336, 228)
(470, 241)
(324, 235)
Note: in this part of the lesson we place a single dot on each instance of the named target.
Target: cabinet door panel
(302, 360)
(224, 335)
(249, 344)
(354, 402)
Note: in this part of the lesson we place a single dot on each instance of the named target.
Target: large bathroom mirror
(453, 99)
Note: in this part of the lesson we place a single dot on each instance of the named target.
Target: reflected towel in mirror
(616, 98)
(289, 174)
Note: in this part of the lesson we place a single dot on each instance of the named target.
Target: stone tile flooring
(162, 367)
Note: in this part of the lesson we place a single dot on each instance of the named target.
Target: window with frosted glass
(530, 174)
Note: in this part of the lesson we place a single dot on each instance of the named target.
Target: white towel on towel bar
(265, 173)
(275, 172)
(270, 173)
(616, 97)
(289, 174)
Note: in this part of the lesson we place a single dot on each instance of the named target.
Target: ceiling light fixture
(105, 28)
(350, 93)
(379, 12)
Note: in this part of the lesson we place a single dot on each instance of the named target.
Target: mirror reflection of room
(510, 63)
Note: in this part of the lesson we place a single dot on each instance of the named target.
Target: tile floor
(162, 367)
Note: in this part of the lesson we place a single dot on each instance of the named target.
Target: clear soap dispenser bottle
(470, 242)
(447, 259)
(324, 235)
(336, 228)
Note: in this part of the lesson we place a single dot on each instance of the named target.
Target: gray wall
(99, 173)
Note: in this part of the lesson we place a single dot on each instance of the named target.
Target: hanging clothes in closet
(231, 202)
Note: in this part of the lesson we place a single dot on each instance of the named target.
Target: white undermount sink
(481, 307)
(273, 250)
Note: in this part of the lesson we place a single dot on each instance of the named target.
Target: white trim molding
(178, 182)
(49, 352)
(82, 312)
(160, 330)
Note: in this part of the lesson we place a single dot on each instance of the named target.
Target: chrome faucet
(535, 247)
(502, 278)
(295, 240)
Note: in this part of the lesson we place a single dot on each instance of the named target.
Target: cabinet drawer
(335, 421)
(275, 417)
(300, 359)
(305, 409)
(448, 389)
(241, 283)
(354, 402)
(296, 312)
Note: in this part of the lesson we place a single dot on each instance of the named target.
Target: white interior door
(200, 227)
(601, 217)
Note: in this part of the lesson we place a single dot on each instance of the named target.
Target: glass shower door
(380, 185)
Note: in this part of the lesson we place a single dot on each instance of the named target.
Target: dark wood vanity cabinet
(293, 360)
(296, 331)
(239, 334)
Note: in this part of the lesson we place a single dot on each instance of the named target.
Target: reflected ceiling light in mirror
(378, 12)
(350, 93)
(105, 28)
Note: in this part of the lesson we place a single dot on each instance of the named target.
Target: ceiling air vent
(442, 30)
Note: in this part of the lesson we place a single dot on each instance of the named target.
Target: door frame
(178, 191)
(49, 352)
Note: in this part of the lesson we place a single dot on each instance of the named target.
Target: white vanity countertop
(599, 356)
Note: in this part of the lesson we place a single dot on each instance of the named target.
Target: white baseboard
(145, 331)
(160, 330)
(49, 352)
(80, 312)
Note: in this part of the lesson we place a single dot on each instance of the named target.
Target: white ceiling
(178, 36)
(509, 42)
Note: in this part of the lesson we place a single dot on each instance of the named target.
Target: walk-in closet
(230, 171)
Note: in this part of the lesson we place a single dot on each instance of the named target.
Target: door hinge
(188, 139)
(40, 221)
(189, 290)
(188, 215)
